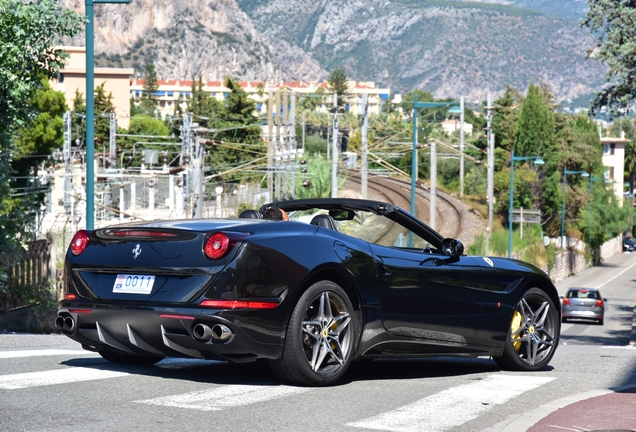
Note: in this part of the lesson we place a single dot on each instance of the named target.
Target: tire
(533, 335)
(130, 359)
(320, 340)
(600, 322)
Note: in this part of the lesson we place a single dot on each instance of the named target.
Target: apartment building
(116, 82)
(614, 161)
(173, 93)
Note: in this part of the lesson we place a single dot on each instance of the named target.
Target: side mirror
(452, 247)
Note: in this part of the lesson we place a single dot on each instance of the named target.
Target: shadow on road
(258, 373)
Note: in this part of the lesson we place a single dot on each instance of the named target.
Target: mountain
(450, 48)
(212, 38)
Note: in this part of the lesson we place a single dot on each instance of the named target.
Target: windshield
(367, 226)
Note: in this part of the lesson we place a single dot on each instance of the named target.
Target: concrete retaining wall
(572, 260)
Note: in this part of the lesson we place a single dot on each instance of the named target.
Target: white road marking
(606, 282)
(57, 376)
(224, 397)
(42, 353)
(454, 406)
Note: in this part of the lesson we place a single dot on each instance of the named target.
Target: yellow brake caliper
(514, 326)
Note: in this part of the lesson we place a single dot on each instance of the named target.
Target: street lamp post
(90, 109)
(565, 174)
(537, 161)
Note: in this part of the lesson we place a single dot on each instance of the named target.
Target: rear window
(583, 293)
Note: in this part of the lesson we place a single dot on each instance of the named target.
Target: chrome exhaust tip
(69, 324)
(59, 322)
(221, 332)
(202, 332)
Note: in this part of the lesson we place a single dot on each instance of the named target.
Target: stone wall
(572, 260)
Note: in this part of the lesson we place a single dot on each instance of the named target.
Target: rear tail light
(79, 242)
(239, 304)
(69, 296)
(566, 301)
(217, 246)
(220, 244)
(599, 303)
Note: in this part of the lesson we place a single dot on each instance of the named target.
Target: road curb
(530, 418)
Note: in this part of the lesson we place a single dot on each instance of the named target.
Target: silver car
(583, 303)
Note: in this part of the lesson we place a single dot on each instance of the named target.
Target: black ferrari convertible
(340, 280)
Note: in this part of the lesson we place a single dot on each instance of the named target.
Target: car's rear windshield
(583, 293)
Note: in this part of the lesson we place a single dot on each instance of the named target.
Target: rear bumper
(582, 313)
(168, 332)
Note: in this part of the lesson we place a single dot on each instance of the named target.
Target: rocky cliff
(184, 39)
(450, 48)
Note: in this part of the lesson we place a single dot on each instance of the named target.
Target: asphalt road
(47, 383)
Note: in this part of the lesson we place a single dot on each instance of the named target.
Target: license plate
(133, 284)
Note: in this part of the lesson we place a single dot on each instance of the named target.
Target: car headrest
(324, 221)
(251, 214)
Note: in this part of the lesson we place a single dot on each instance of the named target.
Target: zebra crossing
(459, 404)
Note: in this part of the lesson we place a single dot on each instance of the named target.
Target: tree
(148, 99)
(338, 83)
(238, 129)
(535, 126)
(612, 23)
(79, 116)
(35, 143)
(103, 108)
(29, 35)
(205, 108)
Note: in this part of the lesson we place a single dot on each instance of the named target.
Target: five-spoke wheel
(534, 333)
(320, 337)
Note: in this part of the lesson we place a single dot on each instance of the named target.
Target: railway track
(453, 218)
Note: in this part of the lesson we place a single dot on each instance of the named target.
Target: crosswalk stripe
(223, 397)
(454, 406)
(42, 353)
(57, 376)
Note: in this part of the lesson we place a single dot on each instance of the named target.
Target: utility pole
(364, 171)
(433, 189)
(328, 135)
(112, 154)
(285, 146)
(491, 163)
(270, 144)
(461, 147)
(293, 145)
(334, 149)
(186, 157)
(304, 126)
(278, 153)
(197, 178)
(66, 154)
